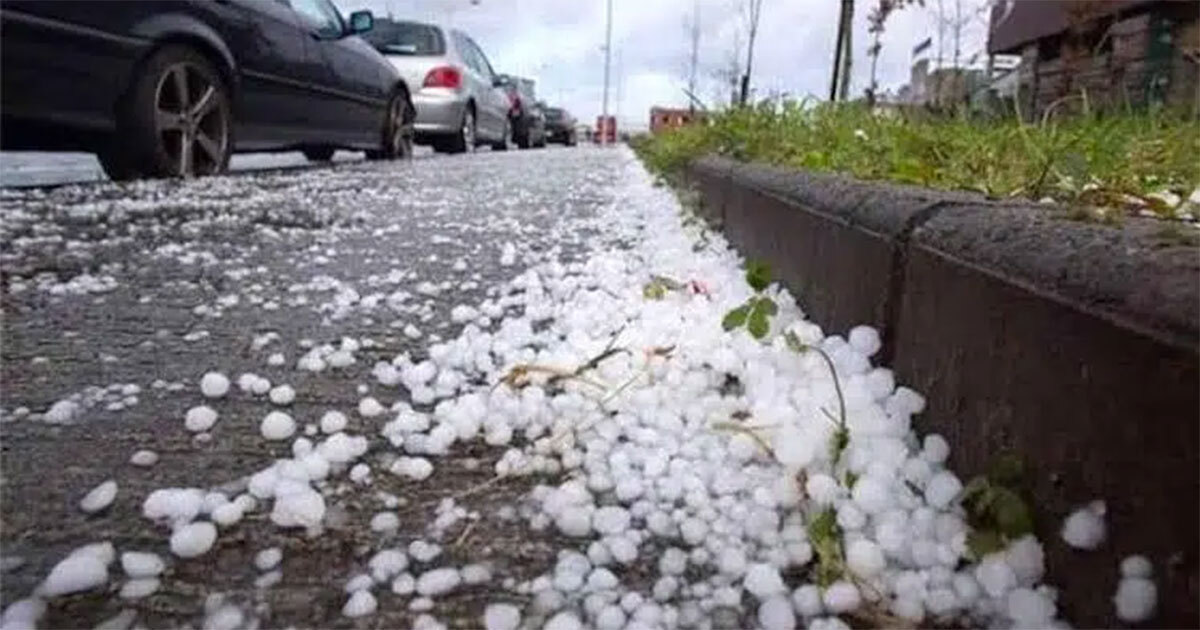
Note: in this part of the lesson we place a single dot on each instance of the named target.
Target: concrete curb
(1076, 345)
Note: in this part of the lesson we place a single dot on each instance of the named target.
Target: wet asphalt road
(121, 296)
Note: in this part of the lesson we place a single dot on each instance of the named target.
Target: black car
(173, 87)
(560, 126)
(527, 121)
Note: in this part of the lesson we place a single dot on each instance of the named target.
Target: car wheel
(319, 154)
(177, 117)
(397, 140)
(464, 140)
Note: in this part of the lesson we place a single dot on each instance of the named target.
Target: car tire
(176, 118)
(396, 141)
(318, 154)
(116, 164)
(464, 140)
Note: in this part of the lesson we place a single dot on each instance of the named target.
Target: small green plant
(755, 314)
(826, 539)
(658, 287)
(841, 432)
(996, 508)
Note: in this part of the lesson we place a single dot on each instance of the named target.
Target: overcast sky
(559, 43)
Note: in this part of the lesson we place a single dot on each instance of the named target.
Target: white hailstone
(1136, 599)
(601, 579)
(1027, 560)
(142, 564)
(864, 558)
(387, 564)
(214, 385)
(385, 522)
(360, 604)
(282, 394)
(775, 613)
(360, 473)
(422, 551)
(501, 617)
(732, 561)
(200, 418)
(193, 539)
(268, 558)
(792, 447)
(360, 582)
(822, 488)
(563, 621)
(23, 613)
(78, 572)
(763, 581)
(99, 497)
(610, 520)
(693, 531)
(333, 422)
(277, 425)
(872, 495)
(610, 617)
(228, 514)
(574, 521)
(303, 507)
(415, 468)
(1029, 608)
(807, 333)
(673, 561)
(1136, 566)
(138, 588)
(144, 458)
(438, 581)
(268, 579)
(475, 574)
(942, 489)
(865, 340)
(404, 584)
(173, 505)
(276, 359)
(936, 449)
(807, 600)
(995, 575)
(1085, 528)
(369, 407)
(841, 597)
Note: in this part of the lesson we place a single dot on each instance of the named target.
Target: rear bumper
(439, 112)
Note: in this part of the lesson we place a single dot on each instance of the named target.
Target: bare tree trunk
(848, 53)
(837, 53)
(754, 10)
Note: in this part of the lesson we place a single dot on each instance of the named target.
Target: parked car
(460, 100)
(525, 113)
(560, 126)
(172, 88)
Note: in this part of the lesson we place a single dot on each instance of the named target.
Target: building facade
(1102, 54)
(665, 118)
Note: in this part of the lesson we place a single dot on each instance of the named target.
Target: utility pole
(840, 83)
(695, 56)
(848, 53)
(607, 60)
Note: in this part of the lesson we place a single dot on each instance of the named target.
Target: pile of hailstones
(651, 472)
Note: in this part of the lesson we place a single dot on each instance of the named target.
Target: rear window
(554, 113)
(405, 38)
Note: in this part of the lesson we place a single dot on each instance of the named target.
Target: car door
(342, 112)
(269, 43)
(496, 98)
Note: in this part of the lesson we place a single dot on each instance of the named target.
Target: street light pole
(607, 59)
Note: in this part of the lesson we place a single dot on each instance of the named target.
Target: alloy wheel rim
(191, 123)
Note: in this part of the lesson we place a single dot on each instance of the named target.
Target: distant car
(525, 112)
(460, 101)
(172, 88)
(560, 126)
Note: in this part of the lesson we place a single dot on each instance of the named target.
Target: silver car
(459, 99)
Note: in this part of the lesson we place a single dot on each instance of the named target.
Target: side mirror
(361, 22)
(500, 81)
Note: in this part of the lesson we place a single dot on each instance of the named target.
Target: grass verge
(1120, 164)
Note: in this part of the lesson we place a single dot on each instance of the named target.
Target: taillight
(444, 77)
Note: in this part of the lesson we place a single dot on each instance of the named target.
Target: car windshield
(405, 38)
(553, 113)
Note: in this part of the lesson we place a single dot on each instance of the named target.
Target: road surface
(115, 289)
